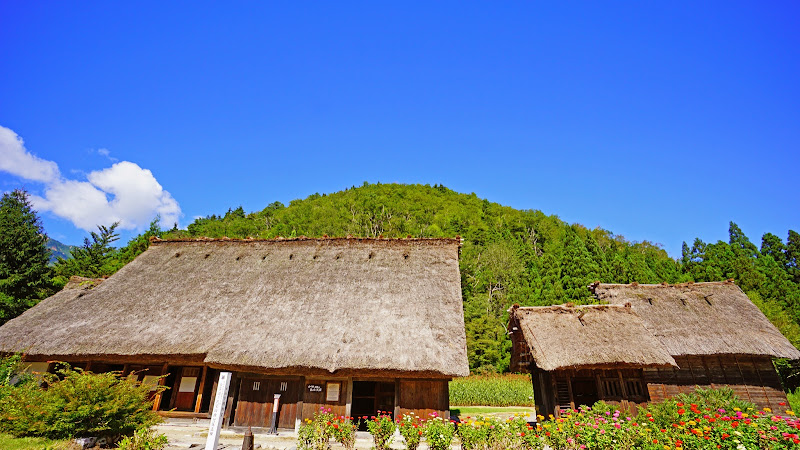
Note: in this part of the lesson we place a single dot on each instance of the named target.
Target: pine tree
(24, 274)
(773, 246)
(793, 255)
(578, 269)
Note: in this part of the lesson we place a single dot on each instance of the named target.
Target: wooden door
(187, 388)
(256, 397)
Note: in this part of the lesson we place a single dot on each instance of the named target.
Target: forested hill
(523, 256)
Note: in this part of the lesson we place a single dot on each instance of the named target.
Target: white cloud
(16, 160)
(123, 192)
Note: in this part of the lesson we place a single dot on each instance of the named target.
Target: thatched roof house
(712, 334)
(558, 336)
(387, 309)
(701, 318)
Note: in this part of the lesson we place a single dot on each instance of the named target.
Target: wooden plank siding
(314, 401)
(256, 400)
(424, 397)
(752, 378)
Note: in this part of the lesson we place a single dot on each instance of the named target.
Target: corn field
(492, 390)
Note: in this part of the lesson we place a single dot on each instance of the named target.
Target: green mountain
(59, 250)
(522, 256)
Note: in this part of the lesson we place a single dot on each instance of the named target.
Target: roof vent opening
(207, 255)
(338, 256)
(239, 257)
(315, 257)
(177, 254)
(263, 258)
(371, 254)
(405, 255)
(291, 255)
(650, 300)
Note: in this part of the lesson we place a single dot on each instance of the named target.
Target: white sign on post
(219, 410)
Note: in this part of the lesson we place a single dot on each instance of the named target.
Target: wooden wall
(313, 401)
(423, 397)
(570, 388)
(752, 378)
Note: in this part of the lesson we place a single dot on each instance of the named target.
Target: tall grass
(492, 390)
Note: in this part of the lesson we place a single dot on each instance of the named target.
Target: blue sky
(659, 122)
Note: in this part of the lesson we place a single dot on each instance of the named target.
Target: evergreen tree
(578, 270)
(773, 246)
(793, 255)
(24, 274)
(96, 258)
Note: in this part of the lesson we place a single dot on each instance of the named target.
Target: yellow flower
(790, 412)
(767, 410)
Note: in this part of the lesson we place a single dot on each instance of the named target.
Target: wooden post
(623, 389)
(348, 408)
(200, 390)
(299, 417)
(157, 400)
(396, 411)
(600, 391)
(233, 394)
(569, 389)
(88, 366)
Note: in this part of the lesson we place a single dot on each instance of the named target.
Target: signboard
(314, 388)
(333, 392)
(219, 410)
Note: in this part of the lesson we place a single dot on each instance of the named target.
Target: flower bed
(707, 419)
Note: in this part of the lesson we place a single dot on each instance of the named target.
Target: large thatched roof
(333, 303)
(701, 318)
(594, 336)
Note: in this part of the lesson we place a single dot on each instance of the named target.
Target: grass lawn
(500, 412)
(8, 442)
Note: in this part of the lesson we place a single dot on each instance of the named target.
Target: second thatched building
(647, 343)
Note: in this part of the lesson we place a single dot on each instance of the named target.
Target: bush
(707, 418)
(316, 433)
(439, 432)
(143, 439)
(410, 430)
(344, 432)
(492, 390)
(494, 434)
(77, 404)
(381, 427)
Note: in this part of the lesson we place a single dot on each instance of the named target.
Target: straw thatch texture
(561, 337)
(308, 303)
(701, 318)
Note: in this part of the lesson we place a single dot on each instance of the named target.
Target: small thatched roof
(701, 318)
(595, 336)
(332, 303)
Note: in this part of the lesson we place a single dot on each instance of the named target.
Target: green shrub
(381, 427)
(77, 404)
(316, 433)
(411, 431)
(143, 439)
(439, 433)
(492, 390)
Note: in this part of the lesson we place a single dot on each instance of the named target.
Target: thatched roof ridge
(332, 304)
(590, 336)
(701, 318)
(456, 240)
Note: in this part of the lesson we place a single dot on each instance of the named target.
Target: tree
(24, 274)
(793, 255)
(95, 258)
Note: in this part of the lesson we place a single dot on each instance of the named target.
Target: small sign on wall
(314, 388)
(333, 392)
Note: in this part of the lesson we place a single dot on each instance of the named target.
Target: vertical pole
(219, 410)
(160, 394)
(348, 409)
(299, 417)
(200, 390)
(396, 411)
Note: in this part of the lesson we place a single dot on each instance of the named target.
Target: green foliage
(8, 442)
(24, 258)
(411, 431)
(382, 428)
(316, 433)
(492, 390)
(438, 433)
(77, 404)
(705, 419)
(143, 439)
(483, 433)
